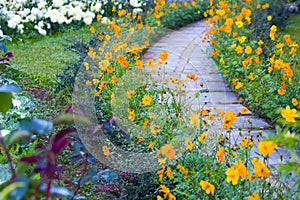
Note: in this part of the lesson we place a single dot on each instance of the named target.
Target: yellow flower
(130, 93)
(159, 197)
(244, 111)
(258, 51)
(241, 169)
(239, 24)
(247, 142)
(202, 137)
(229, 119)
(167, 192)
(189, 144)
(254, 196)
(169, 172)
(207, 187)
(168, 151)
(163, 55)
(269, 18)
(260, 42)
(155, 129)
(92, 29)
(146, 100)
(266, 147)
(239, 49)
(260, 169)
(289, 114)
(131, 114)
(251, 76)
(294, 101)
(248, 50)
(105, 150)
(239, 85)
(194, 120)
(220, 154)
(232, 175)
(114, 79)
(160, 173)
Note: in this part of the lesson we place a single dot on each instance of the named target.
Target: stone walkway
(187, 53)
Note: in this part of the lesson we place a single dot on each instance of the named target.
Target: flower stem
(9, 159)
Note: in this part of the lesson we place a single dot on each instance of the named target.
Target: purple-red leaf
(8, 56)
(59, 145)
(30, 159)
(61, 134)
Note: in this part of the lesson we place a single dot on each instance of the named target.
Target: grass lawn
(42, 57)
(293, 28)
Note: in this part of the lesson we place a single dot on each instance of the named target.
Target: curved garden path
(188, 53)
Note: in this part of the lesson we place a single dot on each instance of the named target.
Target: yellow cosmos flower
(229, 119)
(220, 154)
(239, 24)
(294, 101)
(248, 50)
(146, 100)
(155, 129)
(289, 114)
(169, 172)
(194, 120)
(242, 170)
(105, 150)
(269, 18)
(189, 144)
(254, 196)
(232, 175)
(247, 142)
(163, 55)
(266, 147)
(131, 114)
(244, 111)
(260, 169)
(207, 187)
(202, 137)
(168, 151)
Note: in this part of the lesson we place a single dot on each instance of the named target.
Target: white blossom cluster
(38, 14)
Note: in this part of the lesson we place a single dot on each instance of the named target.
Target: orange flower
(105, 150)
(229, 119)
(192, 76)
(169, 172)
(244, 111)
(281, 91)
(168, 151)
(163, 55)
(114, 79)
(232, 175)
(160, 173)
(92, 29)
(220, 154)
(294, 101)
(254, 196)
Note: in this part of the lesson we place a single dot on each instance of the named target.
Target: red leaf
(61, 134)
(59, 145)
(30, 159)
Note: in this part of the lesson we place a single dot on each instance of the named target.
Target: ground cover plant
(148, 143)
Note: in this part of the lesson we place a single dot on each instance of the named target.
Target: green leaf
(35, 125)
(18, 136)
(6, 102)
(22, 168)
(70, 119)
(20, 188)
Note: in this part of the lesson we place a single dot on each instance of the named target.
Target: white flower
(96, 7)
(1, 33)
(135, 3)
(88, 17)
(42, 4)
(105, 20)
(5, 132)
(41, 24)
(13, 21)
(25, 12)
(20, 28)
(57, 3)
(137, 10)
(40, 30)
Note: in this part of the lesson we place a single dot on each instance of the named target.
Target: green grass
(41, 57)
(293, 28)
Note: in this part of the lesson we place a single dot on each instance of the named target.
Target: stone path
(187, 53)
